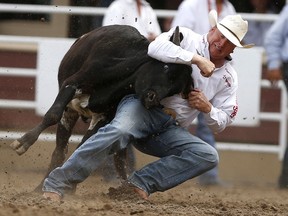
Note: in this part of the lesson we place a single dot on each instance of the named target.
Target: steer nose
(150, 99)
(151, 96)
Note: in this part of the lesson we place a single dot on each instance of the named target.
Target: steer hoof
(16, 145)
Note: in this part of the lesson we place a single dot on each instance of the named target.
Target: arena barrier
(51, 50)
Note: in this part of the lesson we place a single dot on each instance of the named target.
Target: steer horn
(177, 36)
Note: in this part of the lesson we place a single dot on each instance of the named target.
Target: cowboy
(193, 14)
(182, 156)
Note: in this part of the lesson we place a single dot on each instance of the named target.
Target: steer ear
(177, 37)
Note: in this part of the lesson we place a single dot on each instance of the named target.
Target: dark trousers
(283, 180)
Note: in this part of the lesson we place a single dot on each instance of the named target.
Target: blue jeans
(182, 155)
(107, 169)
(205, 133)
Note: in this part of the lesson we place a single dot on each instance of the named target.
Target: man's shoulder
(230, 70)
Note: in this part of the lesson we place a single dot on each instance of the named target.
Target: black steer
(99, 69)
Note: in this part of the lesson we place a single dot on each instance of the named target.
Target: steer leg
(100, 123)
(120, 161)
(52, 117)
(64, 131)
(120, 157)
(97, 121)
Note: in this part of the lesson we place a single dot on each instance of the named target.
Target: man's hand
(205, 65)
(198, 100)
(274, 76)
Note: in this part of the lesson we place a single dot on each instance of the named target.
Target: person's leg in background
(283, 179)
(108, 171)
(210, 177)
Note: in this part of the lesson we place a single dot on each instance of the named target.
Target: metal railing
(93, 11)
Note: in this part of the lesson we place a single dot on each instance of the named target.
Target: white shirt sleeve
(164, 50)
(224, 109)
(184, 16)
(152, 22)
(115, 14)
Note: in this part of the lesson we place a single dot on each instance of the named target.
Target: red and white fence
(60, 45)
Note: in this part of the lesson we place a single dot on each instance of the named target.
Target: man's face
(219, 46)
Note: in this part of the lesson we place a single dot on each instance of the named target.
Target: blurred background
(249, 154)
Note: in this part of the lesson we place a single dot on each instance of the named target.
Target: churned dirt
(21, 174)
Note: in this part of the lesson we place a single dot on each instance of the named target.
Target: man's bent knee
(208, 156)
(212, 157)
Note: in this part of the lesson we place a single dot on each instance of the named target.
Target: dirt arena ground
(252, 190)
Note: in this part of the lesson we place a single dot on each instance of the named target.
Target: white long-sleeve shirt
(276, 41)
(193, 14)
(220, 88)
(125, 12)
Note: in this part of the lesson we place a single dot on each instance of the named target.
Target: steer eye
(166, 68)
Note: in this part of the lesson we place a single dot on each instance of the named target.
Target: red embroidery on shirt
(235, 110)
(227, 81)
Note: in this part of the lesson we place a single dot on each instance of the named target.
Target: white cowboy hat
(233, 27)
